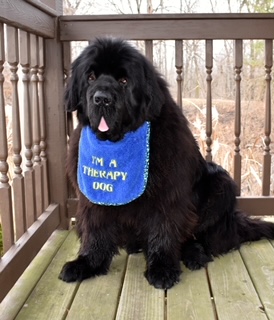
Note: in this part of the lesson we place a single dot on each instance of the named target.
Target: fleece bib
(113, 173)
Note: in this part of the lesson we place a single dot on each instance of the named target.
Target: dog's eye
(123, 81)
(92, 76)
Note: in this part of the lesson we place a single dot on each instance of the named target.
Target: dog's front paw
(195, 257)
(163, 278)
(198, 262)
(76, 270)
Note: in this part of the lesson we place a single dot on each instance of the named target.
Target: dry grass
(223, 145)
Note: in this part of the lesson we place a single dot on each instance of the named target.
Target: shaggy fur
(188, 210)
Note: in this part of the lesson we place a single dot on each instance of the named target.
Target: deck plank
(52, 297)
(98, 298)
(233, 291)
(259, 260)
(139, 300)
(190, 298)
(241, 282)
(17, 296)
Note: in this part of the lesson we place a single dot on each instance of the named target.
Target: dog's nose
(102, 98)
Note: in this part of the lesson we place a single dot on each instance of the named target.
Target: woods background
(194, 79)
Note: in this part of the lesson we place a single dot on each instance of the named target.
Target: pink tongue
(103, 125)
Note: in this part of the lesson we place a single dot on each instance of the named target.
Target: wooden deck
(238, 286)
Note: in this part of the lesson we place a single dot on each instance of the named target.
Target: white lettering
(102, 186)
(113, 163)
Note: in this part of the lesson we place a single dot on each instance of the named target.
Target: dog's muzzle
(102, 99)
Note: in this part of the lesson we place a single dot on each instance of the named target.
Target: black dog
(184, 208)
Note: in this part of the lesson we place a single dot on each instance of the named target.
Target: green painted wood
(128, 296)
(259, 260)
(15, 262)
(16, 298)
(190, 298)
(139, 300)
(234, 294)
(52, 297)
(97, 298)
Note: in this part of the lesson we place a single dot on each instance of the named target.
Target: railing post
(149, 49)
(18, 180)
(36, 124)
(179, 70)
(209, 66)
(267, 126)
(56, 131)
(43, 141)
(238, 47)
(6, 215)
(30, 194)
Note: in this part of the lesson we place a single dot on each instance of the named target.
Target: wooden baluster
(66, 66)
(24, 53)
(18, 181)
(238, 49)
(209, 66)
(267, 126)
(149, 49)
(69, 119)
(5, 189)
(36, 123)
(43, 144)
(179, 70)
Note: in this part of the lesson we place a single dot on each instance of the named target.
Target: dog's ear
(70, 97)
(155, 85)
(72, 91)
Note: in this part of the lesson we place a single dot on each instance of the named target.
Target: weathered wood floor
(237, 286)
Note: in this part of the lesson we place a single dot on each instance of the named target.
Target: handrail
(162, 26)
(21, 14)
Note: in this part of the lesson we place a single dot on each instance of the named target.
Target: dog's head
(114, 88)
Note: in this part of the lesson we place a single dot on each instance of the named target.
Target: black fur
(188, 210)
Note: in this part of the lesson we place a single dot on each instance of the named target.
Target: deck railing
(34, 56)
(205, 27)
(32, 136)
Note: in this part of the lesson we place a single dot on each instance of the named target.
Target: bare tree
(262, 6)
(72, 7)
(149, 6)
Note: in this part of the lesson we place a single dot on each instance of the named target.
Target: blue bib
(113, 173)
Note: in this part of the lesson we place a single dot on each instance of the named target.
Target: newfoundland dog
(141, 180)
